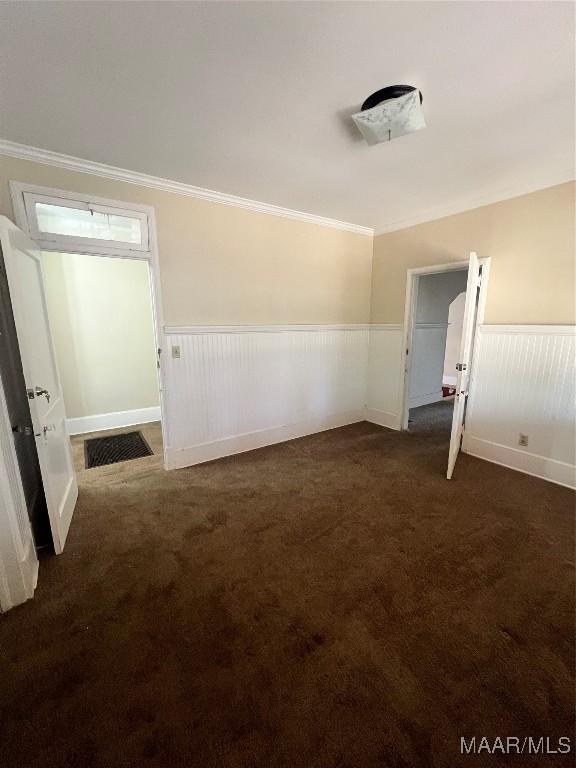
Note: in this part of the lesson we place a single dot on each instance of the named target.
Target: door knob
(41, 391)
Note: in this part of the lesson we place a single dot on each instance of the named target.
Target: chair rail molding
(183, 330)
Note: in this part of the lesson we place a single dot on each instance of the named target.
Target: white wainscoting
(385, 376)
(427, 363)
(523, 382)
(100, 421)
(234, 389)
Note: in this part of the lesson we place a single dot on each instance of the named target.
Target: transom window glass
(92, 223)
(63, 222)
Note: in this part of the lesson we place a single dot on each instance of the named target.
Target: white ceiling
(254, 99)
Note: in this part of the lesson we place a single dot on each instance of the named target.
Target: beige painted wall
(101, 319)
(226, 265)
(530, 240)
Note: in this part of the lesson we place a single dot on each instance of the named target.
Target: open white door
(24, 273)
(18, 560)
(463, 367)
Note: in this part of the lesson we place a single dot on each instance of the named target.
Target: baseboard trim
(558, 472)
(101, 421)
(432, 397)
(383, 418)
(228, 446)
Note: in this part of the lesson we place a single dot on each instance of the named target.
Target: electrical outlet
(522, 439)
(175, 351)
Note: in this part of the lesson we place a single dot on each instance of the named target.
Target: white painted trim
(5, 594)
(182, 330)
(383, 418)
(469, 204)
(18, 559)
(529, 463)
(21, 187)
(557, 330)
(18, 189)
(228, 446)
(450, 266)
(82, 424)
(52, 242)
(47, 157)
(71, 163)
(24, 194)
(432, 397)
(385, 326)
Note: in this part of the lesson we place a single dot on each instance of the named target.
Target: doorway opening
(444, 305)
(100, 314)
(430, 382)
(84, 280)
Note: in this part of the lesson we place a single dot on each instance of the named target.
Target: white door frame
(18, 559)
(21, 190)
(412, 280)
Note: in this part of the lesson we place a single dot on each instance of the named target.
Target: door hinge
(18, 430)
(461, 366)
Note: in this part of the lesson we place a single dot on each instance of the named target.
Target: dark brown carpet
(331, 602)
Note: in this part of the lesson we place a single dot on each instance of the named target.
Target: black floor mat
(109, 450)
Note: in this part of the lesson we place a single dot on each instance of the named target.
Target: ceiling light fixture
(389, 113)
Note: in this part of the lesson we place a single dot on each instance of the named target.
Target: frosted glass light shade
(391, 118)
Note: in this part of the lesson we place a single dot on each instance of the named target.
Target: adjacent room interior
(287, 384)
(100, 314)
(438, 314)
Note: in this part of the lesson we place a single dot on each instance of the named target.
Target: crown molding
(469, 204)
(70, 163)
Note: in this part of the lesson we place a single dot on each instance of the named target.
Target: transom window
(61, 222)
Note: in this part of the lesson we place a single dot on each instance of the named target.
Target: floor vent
(109, 450)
